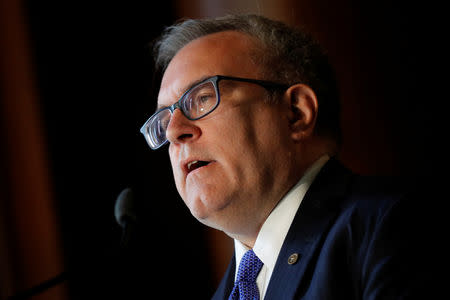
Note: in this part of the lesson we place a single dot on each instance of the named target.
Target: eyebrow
(191, 85)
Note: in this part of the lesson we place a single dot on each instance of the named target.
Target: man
(250, 110)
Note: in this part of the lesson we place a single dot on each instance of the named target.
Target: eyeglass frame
(215, 82)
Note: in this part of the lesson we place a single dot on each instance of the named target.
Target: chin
(197, 207)
(199, 213)
(208, 219)
(204, 208)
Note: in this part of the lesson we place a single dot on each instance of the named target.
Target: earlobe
(303, 109)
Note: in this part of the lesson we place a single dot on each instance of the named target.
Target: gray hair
(287, 55)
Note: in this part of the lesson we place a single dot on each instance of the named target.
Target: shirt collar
(274, 230)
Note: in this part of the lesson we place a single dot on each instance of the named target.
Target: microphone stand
(125, 216)
(37, 289)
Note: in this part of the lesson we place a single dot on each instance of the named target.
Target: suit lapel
(317, 211)
(227, 283)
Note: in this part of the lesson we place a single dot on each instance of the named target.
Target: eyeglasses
(196, 103)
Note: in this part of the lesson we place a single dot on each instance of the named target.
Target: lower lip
(201, 168)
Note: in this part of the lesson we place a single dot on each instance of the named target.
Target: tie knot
(249, 267)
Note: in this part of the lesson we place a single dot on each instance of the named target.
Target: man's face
(243, 145)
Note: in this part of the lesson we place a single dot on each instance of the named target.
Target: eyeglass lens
(195, 104)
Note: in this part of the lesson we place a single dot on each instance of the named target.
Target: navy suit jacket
(356, 238)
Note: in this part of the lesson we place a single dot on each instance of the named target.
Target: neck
(249, 238)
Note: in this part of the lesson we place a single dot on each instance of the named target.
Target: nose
(181, 129)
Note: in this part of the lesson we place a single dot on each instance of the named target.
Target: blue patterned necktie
(245, 287)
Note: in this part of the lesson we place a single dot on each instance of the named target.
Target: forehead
(225, 53)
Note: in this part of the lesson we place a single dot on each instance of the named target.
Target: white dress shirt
(274, 230)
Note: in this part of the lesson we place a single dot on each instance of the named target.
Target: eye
(202, 103)
(201, 99)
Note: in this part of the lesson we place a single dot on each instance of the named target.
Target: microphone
(125, 214)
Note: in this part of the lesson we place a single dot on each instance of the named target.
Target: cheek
(254, 146)
(246, 136)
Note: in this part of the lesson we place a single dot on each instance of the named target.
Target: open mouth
(195, 164)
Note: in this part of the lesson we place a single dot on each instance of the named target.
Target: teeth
(191, 163)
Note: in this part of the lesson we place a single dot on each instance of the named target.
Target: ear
(303, 109)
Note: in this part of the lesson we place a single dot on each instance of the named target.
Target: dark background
(95, 93)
